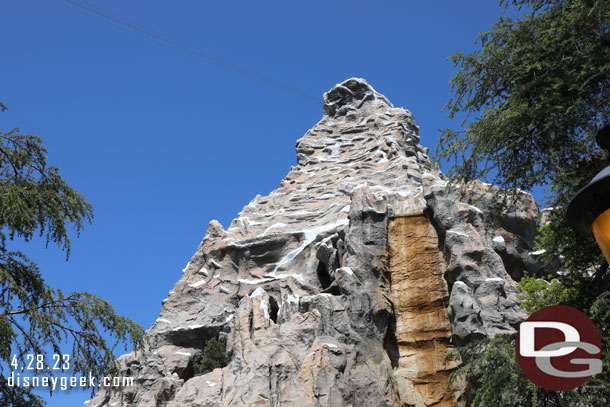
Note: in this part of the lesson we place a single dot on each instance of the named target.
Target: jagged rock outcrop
(345, 286)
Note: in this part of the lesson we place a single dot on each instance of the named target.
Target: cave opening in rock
(212, 356)
(251, 324)
(192, 337)
(273, 309)
(324, 276)
(334, 290)
(208, 340)
(390, 344)
(188, 372)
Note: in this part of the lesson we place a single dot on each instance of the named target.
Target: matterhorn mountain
(345, 286)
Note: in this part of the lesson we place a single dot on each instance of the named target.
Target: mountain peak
(352, 95)
(347, 285)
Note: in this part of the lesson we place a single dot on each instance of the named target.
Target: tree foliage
(494, 376)
(538, 88)
(531, 99)
(537, 293)
(213, 357)
(590, 295)
(35, 318)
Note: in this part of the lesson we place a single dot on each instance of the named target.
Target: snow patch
(299, 213)
(310, 236)
(183, 354)
(198, 284)
(475, 208)
(164, 320)
(265, 308)
(494, 279)
(346, 270)
(498, 239)
(384, 157)
(334, 150)
(298, 277)
(186, 267)
(203, 271)
(260, 291)
(222, 289)
(457, 233)
(292, 299)
(325, 196)
(390, 191)
(260, 281)
(345, 209)
(538, 252)
(275, 225)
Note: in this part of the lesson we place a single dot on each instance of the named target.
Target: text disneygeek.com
(35, 372)
(65, 383)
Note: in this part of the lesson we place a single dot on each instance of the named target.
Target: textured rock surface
(422, 330)
(309, 293)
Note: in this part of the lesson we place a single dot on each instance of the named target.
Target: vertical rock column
(420, 295)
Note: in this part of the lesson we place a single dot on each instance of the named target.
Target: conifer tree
(531, 99)
(212, 357)
(36, 319)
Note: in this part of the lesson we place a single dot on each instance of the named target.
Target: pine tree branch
(28, 338)
(42, 306)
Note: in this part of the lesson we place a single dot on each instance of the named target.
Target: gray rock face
(298, 285)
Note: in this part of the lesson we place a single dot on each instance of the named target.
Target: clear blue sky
(161, 142)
